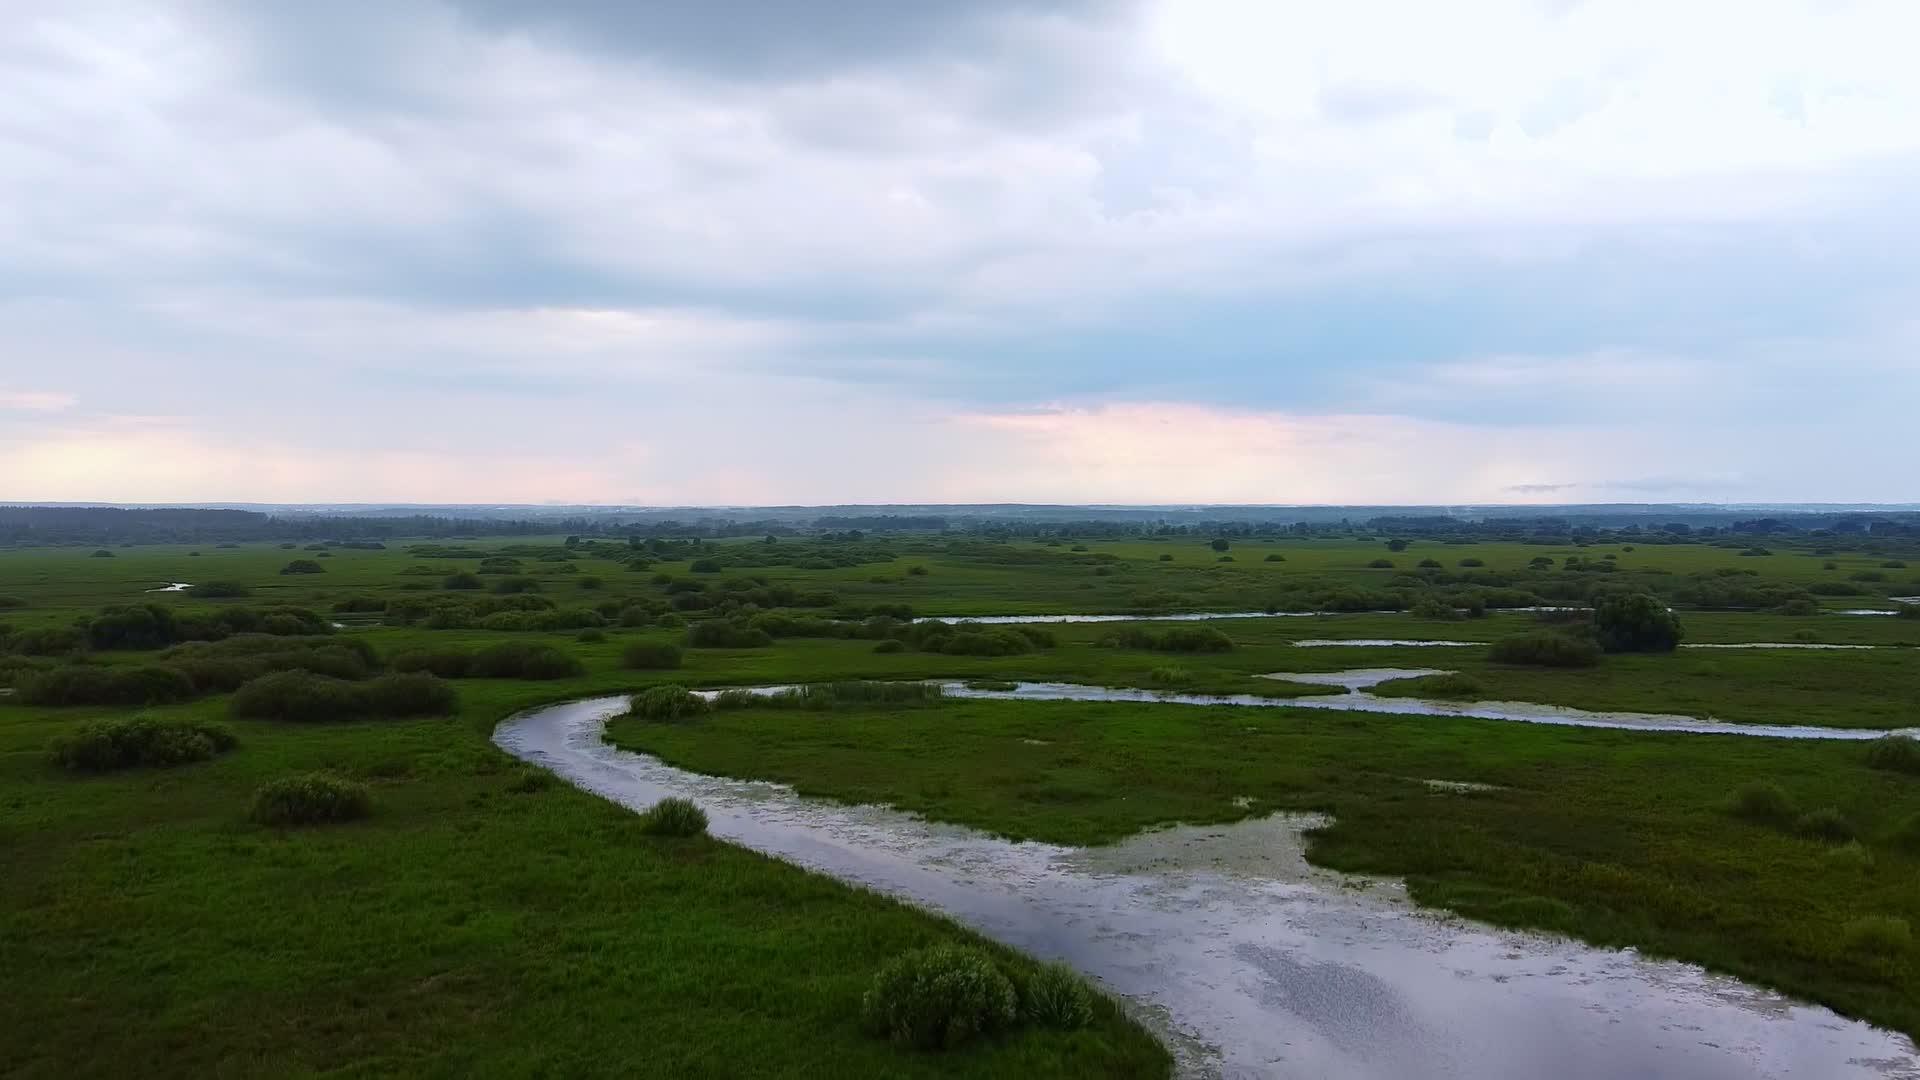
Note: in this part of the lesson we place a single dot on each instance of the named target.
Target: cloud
(1369, 248)
(35, 400)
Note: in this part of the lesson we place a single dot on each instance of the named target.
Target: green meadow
(483, 919)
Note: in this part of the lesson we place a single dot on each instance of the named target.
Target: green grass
(486, 921)
(475, 925)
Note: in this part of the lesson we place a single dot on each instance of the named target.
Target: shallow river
(1250, 963)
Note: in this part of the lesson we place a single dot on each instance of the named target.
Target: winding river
(1247, 961)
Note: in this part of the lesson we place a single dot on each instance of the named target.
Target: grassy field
(471, 928)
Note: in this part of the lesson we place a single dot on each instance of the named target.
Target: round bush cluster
(104, 745)
(1896, 753)
(939, 998)
(1055, 997)
(1545, 649)
(669, 703)
(650, 655)
(673, 817)
(312, 799)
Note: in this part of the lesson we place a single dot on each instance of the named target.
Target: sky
(758, 252)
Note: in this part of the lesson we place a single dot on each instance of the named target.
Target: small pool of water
(177, 586)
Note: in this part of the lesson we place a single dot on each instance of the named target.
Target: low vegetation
(316, 798)
(673, 817)
(137, 741)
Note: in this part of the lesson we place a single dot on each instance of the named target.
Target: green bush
(890, 646)
(939, 998)
(1878, 935)
(1906, 835)
(463, 582)
(592, 635)
(218, 590)
(1188, 639)
(1380, 564)
(1635, 622)
(412, 694)
(1825, 825)
(673, 817)
(1056, 997)
(1851, 856)
(1453, 686)
(670, 703)
(313, 799)
(725, 634)
(1545, 649)
(299, 696)
(7, 602)
(651, 656)
(106, 684)
(1164, 676)
(1472, 562)
(738, 699)
(525, 660)
(508, 586)
(102, 745)
(448, 663)
(46, 641)
(303, 566)
(1897, 753)
(1762, 801)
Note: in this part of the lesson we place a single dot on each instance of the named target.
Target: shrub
(591, 583)
(1898, 753)
(1545, 649)
(313, 799)
(1893, 564)
(650, 655)
(525, 660)
(1432, 608)
(1907, 611)
(105, 684)
(671, 703)
(102, 745)
(1867, 576)
(1166, 558)
(673, 817)
(445, 662)
(1190, 639)
(1275, 557)
(1381, 564)
(1056, 997)
(1164, 676)
(412, 694)
(1635, 622)
(101, 553)
(1430, 564)
(1851, 856)
(46, 641)
(1761, 801)
(218, 590)
(303, 566)
(1878, 935)
(939, 998)
(508, 586)
(725, 634)
(890, 646)
(1825, 825)
(299, 696)
(1906, 835)
(1473, 562)
(916, 571)
(460, 582)
(591, 636)
(738, 699)
(1453, 686)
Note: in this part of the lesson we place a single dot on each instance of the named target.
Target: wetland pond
(1246, 960)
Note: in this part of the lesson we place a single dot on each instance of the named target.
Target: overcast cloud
(746, 251)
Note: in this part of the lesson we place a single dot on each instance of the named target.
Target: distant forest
(40, 525)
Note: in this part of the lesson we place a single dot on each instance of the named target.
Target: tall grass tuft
(939, 998)
(673, 817)
(313, 799)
